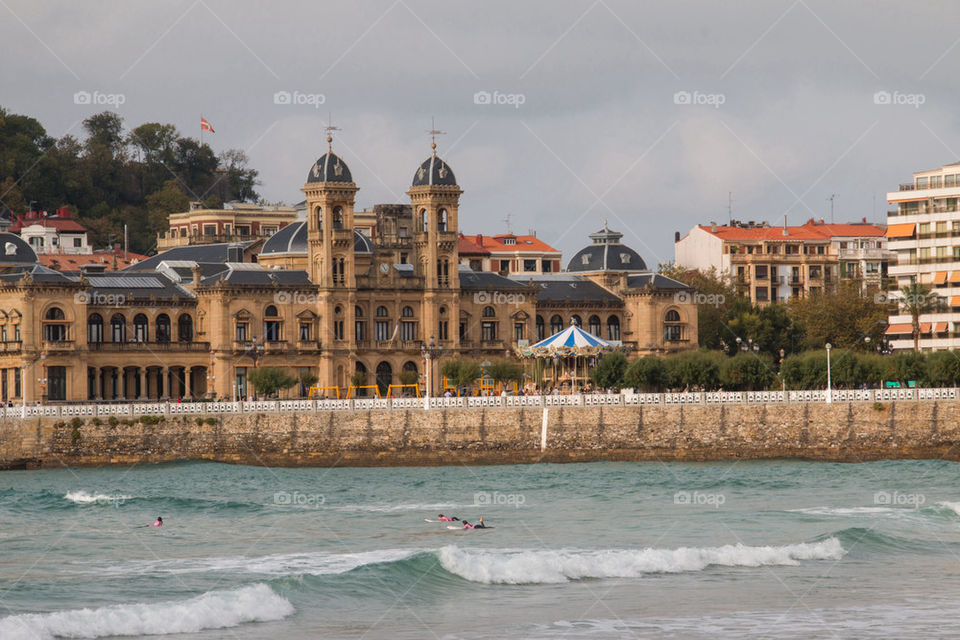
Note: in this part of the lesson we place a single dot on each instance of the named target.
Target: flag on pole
(205, 126)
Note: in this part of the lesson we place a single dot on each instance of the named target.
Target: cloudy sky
(558, 114)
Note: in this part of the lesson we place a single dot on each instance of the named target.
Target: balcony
(58, 346)
(148, 347)
(11, 347)
(308, 346)
(276, 346)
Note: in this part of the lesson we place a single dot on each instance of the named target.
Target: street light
(829, 390)
(429, 352)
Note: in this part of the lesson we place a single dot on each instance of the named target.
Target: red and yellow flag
(205, 126)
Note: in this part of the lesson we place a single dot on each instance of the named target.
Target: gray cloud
(798, 120)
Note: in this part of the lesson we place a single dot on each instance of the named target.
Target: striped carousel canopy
(572, 341)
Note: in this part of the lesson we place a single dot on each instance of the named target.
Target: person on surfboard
(443, 518)
(158, 523)
(479, 525)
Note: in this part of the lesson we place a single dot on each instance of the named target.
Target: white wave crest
(544, 567)
(312, 563)
(83, 497)
(212, 610)
(430, 508)
(950, 506)
(850, 511)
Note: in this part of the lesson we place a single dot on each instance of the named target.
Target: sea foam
(83, 497)
(212, 610)
(543, 567)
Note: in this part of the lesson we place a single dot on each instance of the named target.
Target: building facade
(335, 293)
(774, 264)
(922, 231)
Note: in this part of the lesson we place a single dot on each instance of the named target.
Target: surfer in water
(158, 523)
(443, 518)
(479, 525)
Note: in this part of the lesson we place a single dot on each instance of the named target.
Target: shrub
(113, 421)
(76, 423)
(647, 373)
(610, 370)
(747, 372)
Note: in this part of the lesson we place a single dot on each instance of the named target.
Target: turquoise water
(783, 549)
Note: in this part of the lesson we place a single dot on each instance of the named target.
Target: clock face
(384, 267)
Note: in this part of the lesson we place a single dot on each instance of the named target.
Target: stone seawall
(841, 432)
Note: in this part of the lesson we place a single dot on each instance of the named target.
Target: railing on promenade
(135, 410)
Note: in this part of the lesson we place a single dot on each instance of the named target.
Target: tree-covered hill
(113, 176)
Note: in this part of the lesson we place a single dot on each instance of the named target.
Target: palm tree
(917, 299)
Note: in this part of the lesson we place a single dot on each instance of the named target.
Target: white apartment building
(924, 232)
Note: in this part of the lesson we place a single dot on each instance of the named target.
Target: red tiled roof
(467, 246)
(71, 262)
(60, 224)
(808, 231)
(524, 243)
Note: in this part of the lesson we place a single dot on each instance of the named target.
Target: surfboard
(462, 529)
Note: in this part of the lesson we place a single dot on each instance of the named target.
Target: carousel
(565, 358)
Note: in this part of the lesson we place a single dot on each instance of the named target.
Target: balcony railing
(908, 187)
(58, 345)
(148, 347)
(308, 345)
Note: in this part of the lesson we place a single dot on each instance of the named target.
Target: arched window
(338, 217)
(381, 327)
(541, 329)
(556, 324)
(384, 377)
(423, 220)
(575, 319)
(613, 328)
(318, 212)
(410, 365)
(488, 312)
(407, 312)
(140, 328)
(163, 328)
(593, 325)
(442, 220)
(672, 327)
(272, 325)
(95, 328)
(358, 311)
(408, 328)
(118, 328)
(54, 313)
(185, 327)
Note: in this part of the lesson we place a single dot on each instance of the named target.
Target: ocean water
(784, 549)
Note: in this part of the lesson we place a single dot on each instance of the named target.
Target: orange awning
(901, 230)
(940, 278)
(900, 328)
(940, 327)
(955, 301)
(955, 277)
(925, 327)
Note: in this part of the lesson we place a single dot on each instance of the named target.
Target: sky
(558, 116)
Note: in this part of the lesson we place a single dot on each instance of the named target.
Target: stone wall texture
(840, 432)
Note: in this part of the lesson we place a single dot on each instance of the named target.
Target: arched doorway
(384, 377)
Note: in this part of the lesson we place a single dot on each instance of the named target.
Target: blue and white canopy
(572, 341)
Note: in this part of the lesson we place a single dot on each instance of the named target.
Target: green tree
(504, 370)
(609, 372)
(691, 369)
(460, 372)
(717, 302)
(842, 317)
(307, 380)
(647, 373)
(916, 300)
(747, 371)
(408, 376)
(269, 381)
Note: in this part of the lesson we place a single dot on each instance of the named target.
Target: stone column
(187, 382)
(144, 394)
(163, 383)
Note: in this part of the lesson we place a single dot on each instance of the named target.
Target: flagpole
(201, 130)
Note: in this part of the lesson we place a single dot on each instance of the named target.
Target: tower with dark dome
(606, 253)
(330, 193)
(435, 199)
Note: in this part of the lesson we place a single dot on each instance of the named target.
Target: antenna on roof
(330, 129)
(434, 132)
(509, 226)
(730, 207)
(832, 197)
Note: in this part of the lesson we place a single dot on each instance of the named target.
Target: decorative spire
(434, 132)
(330, 129)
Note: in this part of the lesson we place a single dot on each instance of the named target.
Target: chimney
(785, 232)
(863, 220)
(196, 275)
(676, 236)
(821, 221)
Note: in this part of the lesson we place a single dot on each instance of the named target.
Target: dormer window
(624, 258)
(585, 258)
(510, 241)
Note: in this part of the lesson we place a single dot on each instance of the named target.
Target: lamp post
(255, 351)
(782, 381)
(829, 389)
(429, 352)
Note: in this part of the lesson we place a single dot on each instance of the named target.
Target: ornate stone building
(324, 294)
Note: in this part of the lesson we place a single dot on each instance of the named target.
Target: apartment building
(773, 264)
(924, 233)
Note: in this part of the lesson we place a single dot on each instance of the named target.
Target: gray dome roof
(15, 250)
(434, 171)
(293, 239)
(329, 168)
(606, 253)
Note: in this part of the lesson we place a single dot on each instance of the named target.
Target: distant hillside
(115, 176)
